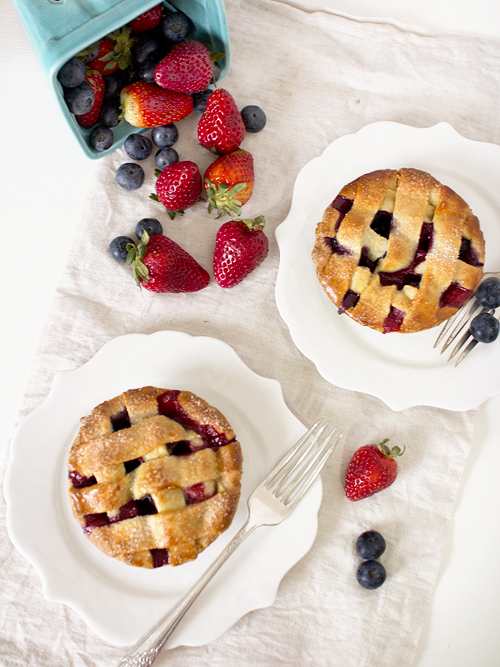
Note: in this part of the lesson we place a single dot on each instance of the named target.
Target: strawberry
(179, 186)
(96, 82)
(371, 469)
(229, 182)
(187, 68)
(161, 265)
(240, 246)
(114, 52)
(221, 128)
(147, 105)
(148, 20)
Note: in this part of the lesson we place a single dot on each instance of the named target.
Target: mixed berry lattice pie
(398, 251)
(154, 476)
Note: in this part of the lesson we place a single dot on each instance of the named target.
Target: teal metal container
(59, 29)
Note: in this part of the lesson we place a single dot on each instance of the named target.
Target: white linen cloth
(318, 77)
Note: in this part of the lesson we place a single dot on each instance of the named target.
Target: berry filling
(120, 421)
(408, 276)
(343, 205)
(181, 448)
(394, 320)
(455, 296)
(139, 507)
(199, 492)
(160, 557)
(133, 464)
(467, 253)
(80, 481)
(382, 223)
(350, 299)
(365, 260)
(168, 404)
(335, 246)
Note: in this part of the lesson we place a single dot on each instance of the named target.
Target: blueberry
(110, 114)
(130, 176)
(488, 293)
(146, 71)
(165, 135)
(151, 225)
(166, 156)
(371, 574)
(217, 71)
(138, 147)
(200, 100)
(88, 54)
(254, 118)
(101, 138)
(80, 99)
(113, 83)
(71, 73)
(370, 544)
(175, 26)
(485, 327)
(118, 248)
(128, 75)
(146, 49)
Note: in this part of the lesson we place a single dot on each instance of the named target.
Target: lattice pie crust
(398, 251)
(154, 476)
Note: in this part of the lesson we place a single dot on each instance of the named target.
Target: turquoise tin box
(59, 29)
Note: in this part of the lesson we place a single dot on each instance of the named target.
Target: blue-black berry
(138, 147)
(80, 99)
(130, 176)
(151, 225)
(165, 135)
(370, 544)
(175, 26)
(118, 248)
(110, 114)
(200, 100)
(166, 156)
(253, 118)
(488, 293)
(371, 574)
(101, 138)
(485, 328)
(71, 73)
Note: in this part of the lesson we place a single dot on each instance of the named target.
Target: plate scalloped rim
(118, 602)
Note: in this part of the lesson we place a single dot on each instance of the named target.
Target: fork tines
(297, 470)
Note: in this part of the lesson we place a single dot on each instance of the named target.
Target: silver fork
(268, 505)
(460, 321)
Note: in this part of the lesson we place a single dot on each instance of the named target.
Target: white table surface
(44, 175)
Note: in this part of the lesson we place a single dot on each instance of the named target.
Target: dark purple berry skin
(254, 118)
(151, 225)
(130, 176)
(488, 293)
(485, 328)
(166, 156)
(71, 73)
(80, 99)
(118, 248)
(200, 100)
(110, 114)
(371, 574)
(101, 138)
(165, 135)
(138, 147)
(175, 27)
(370, 545)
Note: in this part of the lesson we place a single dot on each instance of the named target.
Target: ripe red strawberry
(114, 52)
(221, 128)
(161, 265)
(229, 182)
(187, 68)
(371, 469)
(179, 186)
(240, 246)
(147, 105)
(97, 83)
(148, 20)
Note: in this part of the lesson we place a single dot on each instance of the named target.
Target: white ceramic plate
(402, 370)
(118, 601)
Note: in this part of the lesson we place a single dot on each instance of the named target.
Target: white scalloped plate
(403, 370)
(120, 602)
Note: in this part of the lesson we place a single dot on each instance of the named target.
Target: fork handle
(147, 649)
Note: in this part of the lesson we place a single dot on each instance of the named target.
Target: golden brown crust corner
(184, 529)
(344, 241)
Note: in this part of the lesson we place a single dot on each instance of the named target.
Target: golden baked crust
(398, 251)
(154, 476)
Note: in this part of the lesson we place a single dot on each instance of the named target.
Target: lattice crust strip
(154, 476)
(398, 251)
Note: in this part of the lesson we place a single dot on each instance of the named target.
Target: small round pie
(154, 476)
(398, 251)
